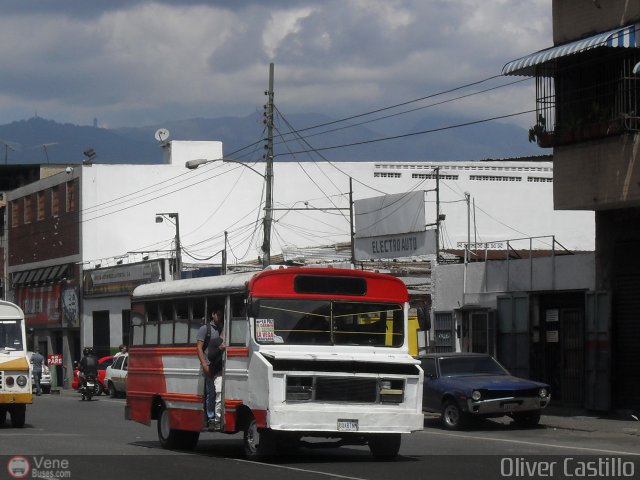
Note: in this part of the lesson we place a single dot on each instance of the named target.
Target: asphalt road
(96, 442)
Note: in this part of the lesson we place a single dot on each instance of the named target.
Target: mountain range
(38, 140)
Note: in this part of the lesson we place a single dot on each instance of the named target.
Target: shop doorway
(101, 333)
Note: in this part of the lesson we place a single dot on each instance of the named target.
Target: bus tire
(3, 416)
(385, 446)
(259, 443)
(174, 439)
(18, 415)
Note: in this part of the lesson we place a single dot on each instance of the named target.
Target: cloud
(142, 62)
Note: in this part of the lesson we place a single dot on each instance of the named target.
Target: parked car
(103, 363)
(45, 379)
(461, 386)
(116, 376)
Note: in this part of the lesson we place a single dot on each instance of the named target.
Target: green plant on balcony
(539, 134)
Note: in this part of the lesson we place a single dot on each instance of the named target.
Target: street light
(268, 178)
(159, 219)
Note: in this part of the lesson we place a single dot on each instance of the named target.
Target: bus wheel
(18, 414)
(3, 416)
(259, 443)
(385, 446)
(171, 438)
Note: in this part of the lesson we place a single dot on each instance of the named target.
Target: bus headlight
(22, 381)
(9, 381)
(391, 391)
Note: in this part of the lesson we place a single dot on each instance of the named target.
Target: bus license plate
(347, 425)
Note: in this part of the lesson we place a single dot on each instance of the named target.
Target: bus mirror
(424, 321)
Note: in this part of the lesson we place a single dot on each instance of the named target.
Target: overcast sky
(136, 63)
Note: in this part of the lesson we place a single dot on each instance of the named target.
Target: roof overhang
(625, 37)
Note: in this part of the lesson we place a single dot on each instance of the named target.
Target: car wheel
(385, 446)
(259, 443)
(527, 419)
(112, 391)
(452, 417)
(18, 414)
(171, 438)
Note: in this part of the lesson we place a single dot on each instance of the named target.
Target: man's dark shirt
(89, 365)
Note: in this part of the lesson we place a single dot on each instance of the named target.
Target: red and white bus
(311, 352)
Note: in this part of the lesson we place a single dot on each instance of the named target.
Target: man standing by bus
(210, 346)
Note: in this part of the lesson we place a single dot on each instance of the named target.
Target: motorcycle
(89, 387)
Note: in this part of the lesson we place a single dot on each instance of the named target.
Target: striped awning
(626, 37)
(39, 275)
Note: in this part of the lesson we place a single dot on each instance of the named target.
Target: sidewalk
(576, 419)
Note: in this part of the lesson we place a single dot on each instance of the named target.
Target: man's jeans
(36, 377)
(213, 402)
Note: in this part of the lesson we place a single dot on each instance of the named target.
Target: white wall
(119, 203)
(114, 305)
(486, 280)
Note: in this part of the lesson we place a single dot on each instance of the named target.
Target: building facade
(587, 101)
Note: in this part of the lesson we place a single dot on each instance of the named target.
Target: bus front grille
(329, 389)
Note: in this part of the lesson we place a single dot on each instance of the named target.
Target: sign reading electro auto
(392, 226)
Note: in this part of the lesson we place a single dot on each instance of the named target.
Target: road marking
(304, 470)
(538, 444)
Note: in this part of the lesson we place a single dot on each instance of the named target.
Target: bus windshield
(10, 335)
(327, 322)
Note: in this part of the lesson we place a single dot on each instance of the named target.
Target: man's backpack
(214, 354)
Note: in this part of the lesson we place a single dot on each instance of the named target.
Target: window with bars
(71, 196)
(15, 213)
(587, 96)
(387, 175)
(494, 178)
(40, 206)
(28, 209)
(55, 201)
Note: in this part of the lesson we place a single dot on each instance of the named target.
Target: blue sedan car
(461, 386)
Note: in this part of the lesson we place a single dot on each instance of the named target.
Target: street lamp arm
(193, 164)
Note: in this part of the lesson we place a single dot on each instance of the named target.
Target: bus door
(236, 365)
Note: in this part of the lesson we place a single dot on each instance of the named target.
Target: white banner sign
(390, 214)
(396, 246)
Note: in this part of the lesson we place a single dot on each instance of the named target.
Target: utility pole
(351, 229)
(224, 255)
(268, 207)
(178, 273)
(174, 215)
(437, 214)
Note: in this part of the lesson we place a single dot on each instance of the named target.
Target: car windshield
(465, 366)
(325, 322)
(10, 335)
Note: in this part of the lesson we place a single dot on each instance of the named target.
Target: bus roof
(232, 283)
(277, 282)
(10, 311)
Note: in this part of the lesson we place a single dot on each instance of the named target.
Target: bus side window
(137, 324)
(166, 323)
(238, 332)
(198, 307)
(181, 334)
(151, 326)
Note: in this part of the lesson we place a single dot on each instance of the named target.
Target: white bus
(15, 377)
(310, 353)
